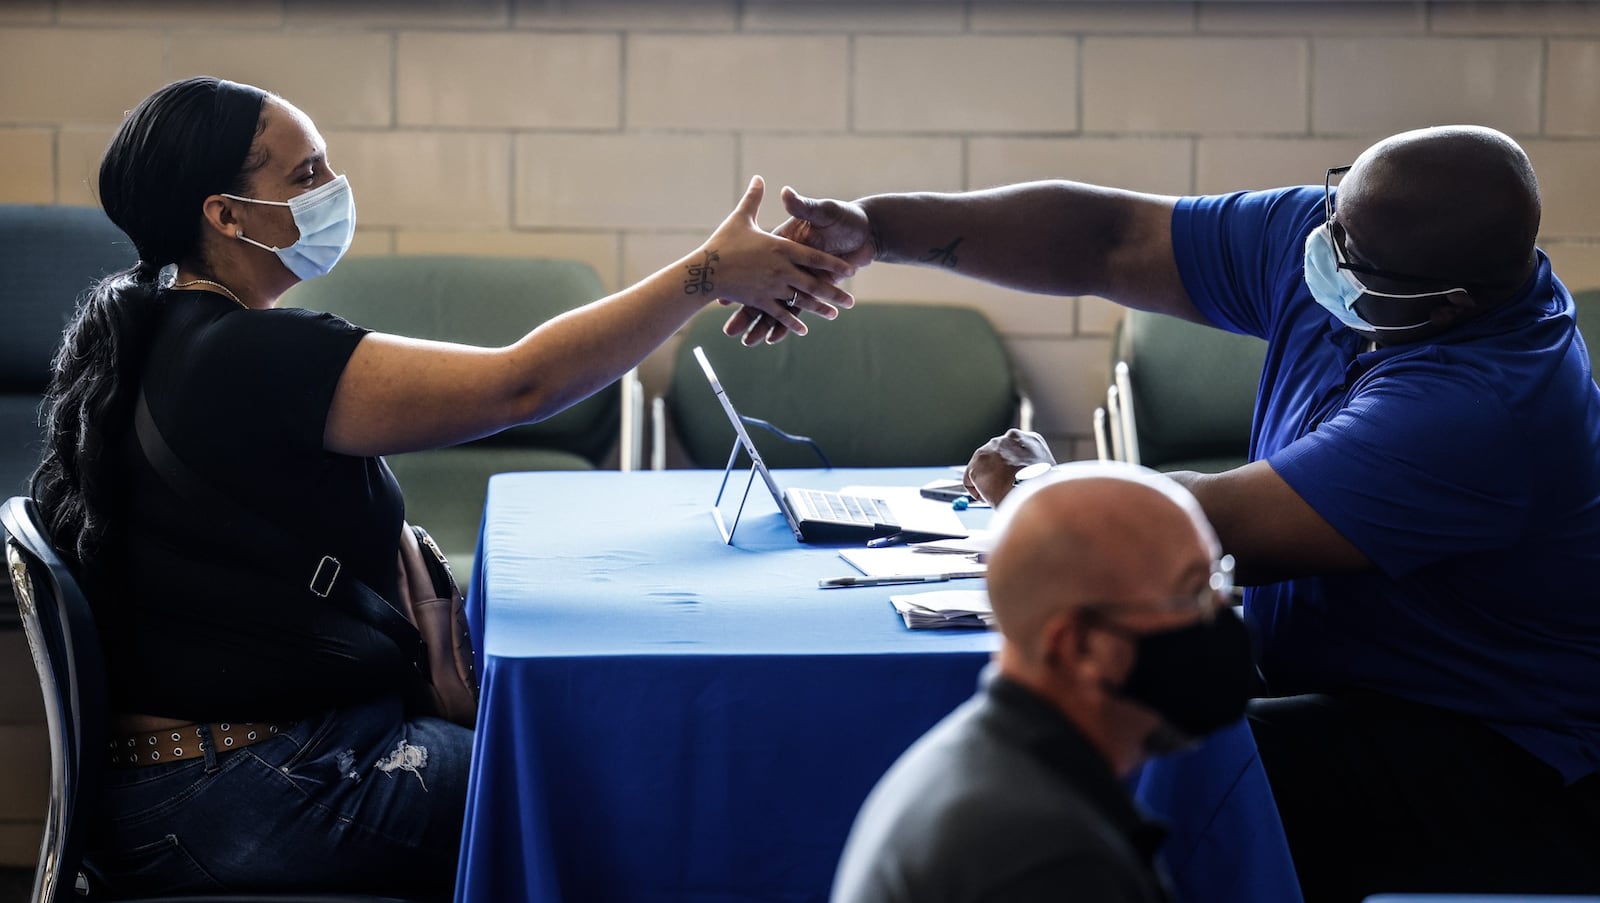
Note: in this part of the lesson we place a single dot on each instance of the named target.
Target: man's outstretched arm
(1056, 237)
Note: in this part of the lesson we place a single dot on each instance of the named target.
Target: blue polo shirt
(1465, 467)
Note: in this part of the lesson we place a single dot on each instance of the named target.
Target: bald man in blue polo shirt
(1420, 517)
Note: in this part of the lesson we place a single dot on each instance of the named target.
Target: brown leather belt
(183, 742)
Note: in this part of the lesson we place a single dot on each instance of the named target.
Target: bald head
(1100, 536)
(1457, 202)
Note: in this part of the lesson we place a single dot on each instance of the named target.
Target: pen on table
(885, 581)
(893, 539)
(905, 537)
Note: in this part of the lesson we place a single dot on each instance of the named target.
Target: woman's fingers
(776, 311)
(821, 296)
(740, 321)
(750, 204)
(775, 334)
(753, 327)
(765, 330)
(810, 258)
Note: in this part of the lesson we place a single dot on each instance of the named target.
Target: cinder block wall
(620, 133)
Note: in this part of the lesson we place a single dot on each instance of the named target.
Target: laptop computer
(816, 515)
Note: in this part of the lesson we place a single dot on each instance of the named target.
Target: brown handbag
(431, 600)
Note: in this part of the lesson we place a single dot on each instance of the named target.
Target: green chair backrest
(1194, 390)
(484, 301)
(1588, 309)
(1194, 387)
(487, 301)
(886, 384)
(50, 255)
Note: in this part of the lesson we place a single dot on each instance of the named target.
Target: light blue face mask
(326, 218)
(1338, 290)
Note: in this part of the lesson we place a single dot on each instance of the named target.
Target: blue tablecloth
(668, 718)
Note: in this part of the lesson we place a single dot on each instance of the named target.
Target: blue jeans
(344, 801)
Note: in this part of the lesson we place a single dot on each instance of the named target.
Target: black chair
(66, 652)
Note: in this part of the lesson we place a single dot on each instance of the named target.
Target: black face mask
(1198, 678)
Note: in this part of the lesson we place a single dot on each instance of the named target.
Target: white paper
(906, 561)
(944, 608)
(949, 601)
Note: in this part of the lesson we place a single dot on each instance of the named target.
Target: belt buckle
(320, 586)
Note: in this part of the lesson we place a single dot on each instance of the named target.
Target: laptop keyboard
(853, 509)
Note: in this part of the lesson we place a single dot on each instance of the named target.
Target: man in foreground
(1118, 644)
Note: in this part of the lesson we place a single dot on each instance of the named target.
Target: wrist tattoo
(945, 256)
(699, 281)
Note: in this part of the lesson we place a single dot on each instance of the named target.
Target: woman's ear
(218, 213)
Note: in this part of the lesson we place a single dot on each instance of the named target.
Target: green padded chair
(1588, 304)
(50, 255)
(486, 301)
(885, 385)
(1193, 389)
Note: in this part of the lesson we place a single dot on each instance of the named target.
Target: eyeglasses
(1221, 581)
(1218, 592)
(1338, 252)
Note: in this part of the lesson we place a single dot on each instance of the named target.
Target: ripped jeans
(357, 799)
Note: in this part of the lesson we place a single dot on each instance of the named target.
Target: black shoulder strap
(275, 550)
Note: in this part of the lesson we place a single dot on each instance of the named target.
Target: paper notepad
(945, 608)
(906, 561)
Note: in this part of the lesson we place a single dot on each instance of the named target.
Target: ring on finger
(793, 300)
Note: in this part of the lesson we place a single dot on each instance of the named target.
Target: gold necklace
(214, 285)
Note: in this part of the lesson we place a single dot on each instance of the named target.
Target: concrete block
(740, 82)
(29, 174)
(1194, 85)
(632, 181)
(966, 84)
(111, 71)
(1366, 85)
(509, 80)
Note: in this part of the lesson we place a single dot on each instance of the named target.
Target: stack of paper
(945, 608)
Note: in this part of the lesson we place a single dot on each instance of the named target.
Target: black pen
(893, 539)
(906, 536)
(885, 581)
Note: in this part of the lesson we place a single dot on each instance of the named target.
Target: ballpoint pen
(885, 581)
(904, 537)
(894, 539)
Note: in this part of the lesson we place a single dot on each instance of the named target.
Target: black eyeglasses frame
(1338, 252)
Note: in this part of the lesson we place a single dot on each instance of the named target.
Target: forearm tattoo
(945, 256)
(699, 281)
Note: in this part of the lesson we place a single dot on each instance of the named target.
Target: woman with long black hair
(261, 735)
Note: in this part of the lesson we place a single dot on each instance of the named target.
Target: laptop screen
(749, 446)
